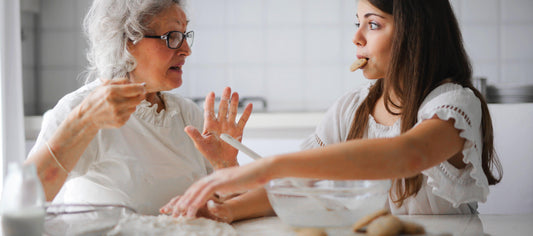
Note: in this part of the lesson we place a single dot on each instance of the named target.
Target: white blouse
(142, 164)
(445, 189)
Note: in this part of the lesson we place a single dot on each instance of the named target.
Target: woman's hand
(214, 209)
(224, 181)
(219, 153)
(111, 104)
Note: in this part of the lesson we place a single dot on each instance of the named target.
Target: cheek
(384, 53)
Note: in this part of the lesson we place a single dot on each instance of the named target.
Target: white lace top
(142, 164)
(446, 189)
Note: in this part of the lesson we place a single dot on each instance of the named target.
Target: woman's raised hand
(111, 104)
(219, 153)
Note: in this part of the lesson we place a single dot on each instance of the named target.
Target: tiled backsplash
(294, 53)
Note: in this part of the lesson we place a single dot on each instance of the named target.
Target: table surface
(434, 225)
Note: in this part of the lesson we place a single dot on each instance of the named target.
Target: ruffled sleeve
(336, 123)
(458, 186)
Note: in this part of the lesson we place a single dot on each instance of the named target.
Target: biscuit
(364, 221)
(412, 228)
(358, 64)
(385, 225)
(310, 232)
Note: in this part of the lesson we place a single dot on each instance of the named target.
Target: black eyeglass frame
(166, 37)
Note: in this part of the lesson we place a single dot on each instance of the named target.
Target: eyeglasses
(175, 38)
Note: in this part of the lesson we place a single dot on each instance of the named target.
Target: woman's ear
(131, 45)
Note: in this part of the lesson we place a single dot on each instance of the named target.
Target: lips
(363, 57)
(176, 67)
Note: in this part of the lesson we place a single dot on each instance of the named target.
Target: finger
(201, 198)
(233, 107)
(245, 116)
(105, 81)
(224, 102)
(215, 209)
(124, 105)
(197, 195)
(194, 134)
(185, 201)
(209, 107)
(120, 81)
(168, 207)
(129, 90)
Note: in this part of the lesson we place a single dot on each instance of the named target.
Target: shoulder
(68, 102)
(455, 101)
(451, 92)
(353, 98)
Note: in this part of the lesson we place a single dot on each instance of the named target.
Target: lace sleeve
(457, 185)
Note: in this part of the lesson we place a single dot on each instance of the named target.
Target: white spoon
(236, 144)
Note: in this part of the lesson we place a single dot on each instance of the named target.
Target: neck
(155, 98)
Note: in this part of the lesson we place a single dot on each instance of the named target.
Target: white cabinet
(513, 141)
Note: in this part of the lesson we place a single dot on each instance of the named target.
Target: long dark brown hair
(427, 51)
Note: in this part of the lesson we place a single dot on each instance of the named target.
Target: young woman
(421, 124)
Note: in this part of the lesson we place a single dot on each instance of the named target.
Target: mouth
(176, 68)
(359, 63)
(359, 57)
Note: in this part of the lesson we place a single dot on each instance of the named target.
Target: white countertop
(434, 225)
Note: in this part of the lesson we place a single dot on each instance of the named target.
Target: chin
(176, 84)
(173, 83)
(371, 76)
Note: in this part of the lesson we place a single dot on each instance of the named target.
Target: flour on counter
(135, 224)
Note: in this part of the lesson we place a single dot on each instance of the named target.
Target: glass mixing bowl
(83, 219)
(325, 203)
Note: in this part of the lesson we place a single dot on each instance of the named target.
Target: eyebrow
(186, 22)
(370, 14)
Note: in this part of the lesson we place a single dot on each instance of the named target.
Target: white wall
(295, 53)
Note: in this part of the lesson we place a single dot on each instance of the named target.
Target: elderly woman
(120, 138)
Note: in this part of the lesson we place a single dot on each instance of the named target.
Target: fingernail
(143, 83)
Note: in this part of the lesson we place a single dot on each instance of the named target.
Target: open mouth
(358, 64)
(175, 68)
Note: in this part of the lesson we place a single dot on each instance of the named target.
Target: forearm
(356, 159)
(68, 144)
(250, 205)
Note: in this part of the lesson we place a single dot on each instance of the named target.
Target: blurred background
(294, 54)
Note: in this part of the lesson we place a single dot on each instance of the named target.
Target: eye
(373, 25)
(357, 25)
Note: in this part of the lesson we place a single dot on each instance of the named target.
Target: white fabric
(445, 189)
(11, 108)
(142, 164)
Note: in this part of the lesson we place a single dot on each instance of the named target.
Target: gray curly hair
(109, 25)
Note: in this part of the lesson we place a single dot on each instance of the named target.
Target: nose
(358, 38)
(185, 49)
